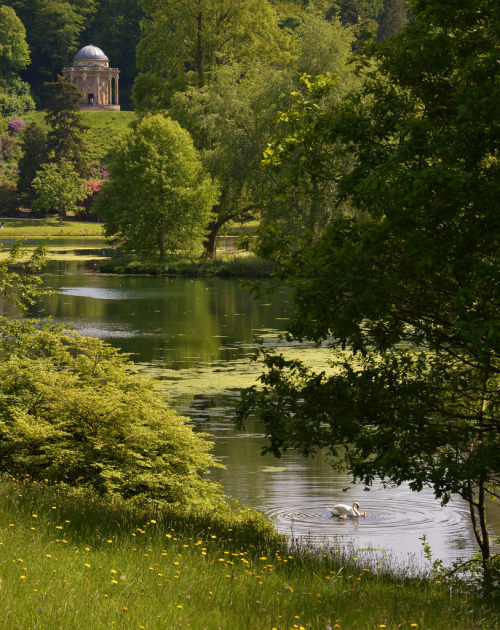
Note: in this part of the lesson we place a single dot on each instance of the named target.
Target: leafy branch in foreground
(19, 280)
(407, 280)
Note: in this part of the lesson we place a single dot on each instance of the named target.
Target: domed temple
(92, 75)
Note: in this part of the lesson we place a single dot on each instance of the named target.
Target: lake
(199, 338)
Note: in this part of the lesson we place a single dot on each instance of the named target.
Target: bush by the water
(239, 266)
(72, 409)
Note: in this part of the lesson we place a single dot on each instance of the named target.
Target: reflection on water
(198, 337)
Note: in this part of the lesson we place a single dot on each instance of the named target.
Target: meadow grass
(73, 561)
(103, 129)
(49, 227)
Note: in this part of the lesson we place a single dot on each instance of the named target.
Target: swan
(343, 511)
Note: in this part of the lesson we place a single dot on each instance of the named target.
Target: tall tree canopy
(183, 41)
(408, 278)
(65, 136)
(15, 96)
(157, 197)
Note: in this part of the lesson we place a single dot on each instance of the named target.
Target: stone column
(116, 90)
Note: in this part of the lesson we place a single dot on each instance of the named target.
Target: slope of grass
(104, 128)
(73, 561)
(50, 227)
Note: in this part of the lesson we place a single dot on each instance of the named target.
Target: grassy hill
(71, 561)
(103, 130)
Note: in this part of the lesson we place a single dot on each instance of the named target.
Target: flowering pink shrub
(93, 186)
(15, 126)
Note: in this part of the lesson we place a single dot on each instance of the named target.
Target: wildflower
(114, 581)
(87, 565)
(112, 571)
(109, 541)
(23, 577)
(34, 515)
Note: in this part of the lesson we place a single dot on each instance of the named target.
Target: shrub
(72, 409)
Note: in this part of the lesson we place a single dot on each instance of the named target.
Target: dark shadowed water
(199, 337)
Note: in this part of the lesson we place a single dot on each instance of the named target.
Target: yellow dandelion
(153, 521)
(23, 577)
(109, 541)
(112, 571)
(34, 515)
(179, 606)
(87, 565)
(114, 581)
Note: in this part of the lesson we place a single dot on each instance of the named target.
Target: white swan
(343, 511)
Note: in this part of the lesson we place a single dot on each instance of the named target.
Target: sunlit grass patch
(69, 560)
(50, 227)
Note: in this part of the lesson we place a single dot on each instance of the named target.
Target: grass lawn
(104, 128)
(41, 228)
(74, 562)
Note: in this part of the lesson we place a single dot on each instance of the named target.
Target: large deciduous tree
(15, 96)
(183, 41)
(407, 280)
(157, 198)
(58, 187)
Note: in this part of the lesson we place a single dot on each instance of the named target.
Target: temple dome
(90, 52)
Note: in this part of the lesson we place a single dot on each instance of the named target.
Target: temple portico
(97, 82)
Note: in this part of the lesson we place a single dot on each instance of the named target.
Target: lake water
(199, 337)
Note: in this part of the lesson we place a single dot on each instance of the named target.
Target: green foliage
(65, 136)
(157, 198)
(14, 51)
(20, 282)
(410, 279)
(35, 151)
(15, 95)
(392, 19)
(72, 409)
(58, 187)
(183, 42)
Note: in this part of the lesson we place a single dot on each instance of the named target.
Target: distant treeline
(56, 29)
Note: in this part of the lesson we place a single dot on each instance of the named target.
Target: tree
(232, 116)
(15, 96)
(157, 198)
(392, 19)
(65, 136)
(14, 51)
(230, 119)
(408, 280)
(58, 187)
(183, 41)
(73, 410)
(20, 282)
(35, 151)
